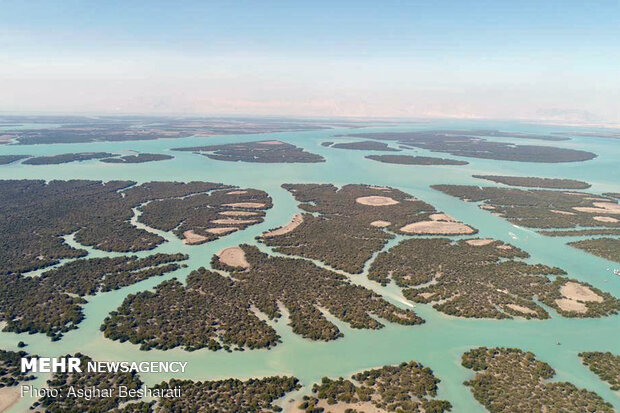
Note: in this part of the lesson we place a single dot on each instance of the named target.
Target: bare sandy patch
(557, 211)
(504, 247)
(246, 205)
(521, 309)
(221, 230)
(271, 143)
(376, 200)
(479, 242)
(8, 397)
(597, 199)
(606, 219)
(230, 221)
(233, 257)
(441, 217)
(295, 222)
(575, 291)
(437, 227)
(601, 208)
(236, 192)
(571, 305)
(487, 207)
(341, 407)
(190, 237)
(238, 213)
(6, 139)
(380, 224)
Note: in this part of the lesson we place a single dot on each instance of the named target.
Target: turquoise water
(439, 343)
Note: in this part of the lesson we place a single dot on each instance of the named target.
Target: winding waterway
(438, 343)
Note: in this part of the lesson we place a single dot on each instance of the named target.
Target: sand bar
(521, 309)
(230, 221)
(381, 224)
(221, 230)
(601, 208)
(233, 257)
(246, 205)
(557, 211)
(575, 291)
(437, 227)
(238, 213)
(190, 237)
(376, 200)
(479, 242)
(606, 219)
(295, 222)
(571, 305)
(8, 397)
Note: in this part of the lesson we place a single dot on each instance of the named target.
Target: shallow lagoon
(438, 344)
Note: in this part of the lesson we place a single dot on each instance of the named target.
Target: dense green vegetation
(415, 160)
(7, 159)
(608, 248)
(10, 368)
(481, 281)
(215, 311)
(513, 381)
(257, 151)
(535, 208)
(468, 144)
(138, 158)
(408, 387)
(87, 380)
(365, 146)
(337, 230)
(51, 303)
(67, 157)
(34, 215)
(231, 395)
(605, 365)
(203, 214)
(533, 182)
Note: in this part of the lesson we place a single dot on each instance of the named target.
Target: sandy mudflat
(479, 242)
(521, 309)
(487, 207)
(601, 208)
(437, 227)
(246, 205)
(574, 291)
(230, 221)
(504, 247)
(238, 213)
(571, 305)
(441, 217)
(236, 192)
(190, 237)
(556, 211)
(295, 222)
(8, 397)
(606, 219)
(6, 139)
(233, 257)
(381, 224)
(271, 143)
(221, 230)
(376, 200)
(341, 407)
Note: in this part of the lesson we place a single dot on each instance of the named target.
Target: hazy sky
(499, 59)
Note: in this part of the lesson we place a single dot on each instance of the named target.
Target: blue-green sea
(438, 343)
